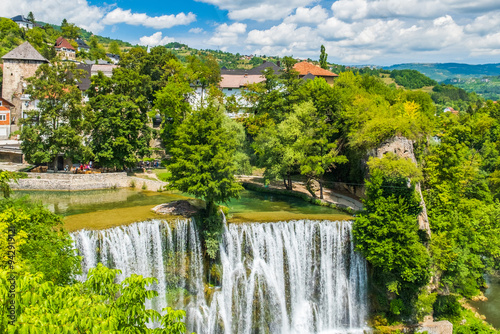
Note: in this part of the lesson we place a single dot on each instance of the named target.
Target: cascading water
(286, 277)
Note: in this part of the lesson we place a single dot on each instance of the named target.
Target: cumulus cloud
(79, 12)
(259, 10)
(90, 17)
(155, 39)
(312, 15)
(226, 35)
(484, 24)
(119, 15)
(196, 30)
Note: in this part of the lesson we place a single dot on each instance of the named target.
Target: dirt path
(330, 196)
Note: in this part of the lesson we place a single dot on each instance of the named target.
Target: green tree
(323, 58)
(118, 119)
(31, 17)
(202, 165)
(97, 51)
(173, 105)
(319, 154)
(55, 127)
(96, 305)
(70, 31)
(114, 48)
(387, 234)
(277, 152)
(205, 71)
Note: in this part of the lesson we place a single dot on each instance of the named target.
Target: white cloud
(258, 10)
(155, 39)
(484, 24)
(196, 30)
(79, 12)
(227, 35)
(119, 15)
(313, 15)
(89, 17)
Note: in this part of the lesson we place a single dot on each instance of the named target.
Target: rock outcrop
(177, 208)
(403, 148)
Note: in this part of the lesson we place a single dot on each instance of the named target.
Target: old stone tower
(18, 65)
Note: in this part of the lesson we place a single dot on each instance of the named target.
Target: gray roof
(308, 76)
(25, 51)
(85, 84)
(20, 18)
(81, 43)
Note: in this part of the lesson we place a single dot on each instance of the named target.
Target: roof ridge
(25, 51)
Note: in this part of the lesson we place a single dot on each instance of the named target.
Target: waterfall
(287, 277)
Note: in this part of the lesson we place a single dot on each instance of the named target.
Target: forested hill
(443, 71)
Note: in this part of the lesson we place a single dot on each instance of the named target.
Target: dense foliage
(55, 126)
(37, 259)
(411, 79)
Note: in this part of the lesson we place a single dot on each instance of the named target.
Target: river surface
(98, 209)
(491, 308)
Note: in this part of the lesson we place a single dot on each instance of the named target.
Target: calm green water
(491, 308)
(68, 203)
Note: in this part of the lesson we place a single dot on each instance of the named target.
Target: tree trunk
(320, 188)
(290, 185)
(309, 188)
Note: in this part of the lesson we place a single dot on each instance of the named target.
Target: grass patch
(163, 174)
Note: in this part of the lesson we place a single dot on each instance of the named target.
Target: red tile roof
(305, 67)
(63, 43)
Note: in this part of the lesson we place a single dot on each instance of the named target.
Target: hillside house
(81, 45)
(22, 22)
(310, 71)
(64, 49)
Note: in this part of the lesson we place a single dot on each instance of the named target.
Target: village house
(64, 49)
(81, 45)
(234, 81)
(22, 22)
(310, 71)
(5, 118)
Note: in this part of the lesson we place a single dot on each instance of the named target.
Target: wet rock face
(177, 208)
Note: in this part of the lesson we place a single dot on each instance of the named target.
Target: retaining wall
(69, 182)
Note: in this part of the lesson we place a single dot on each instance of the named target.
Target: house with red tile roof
(310, 71)
(65, 49)
(5, 118)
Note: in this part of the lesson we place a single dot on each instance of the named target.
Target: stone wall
(51, 181)
(70, 181)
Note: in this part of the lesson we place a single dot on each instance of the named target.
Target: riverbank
(333, 199)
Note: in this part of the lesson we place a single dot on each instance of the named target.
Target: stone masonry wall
(63, 181)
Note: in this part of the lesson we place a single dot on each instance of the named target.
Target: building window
(3, 117)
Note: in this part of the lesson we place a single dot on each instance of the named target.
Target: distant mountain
(443, 71)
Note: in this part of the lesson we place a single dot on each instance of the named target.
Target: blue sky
(381, 32)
